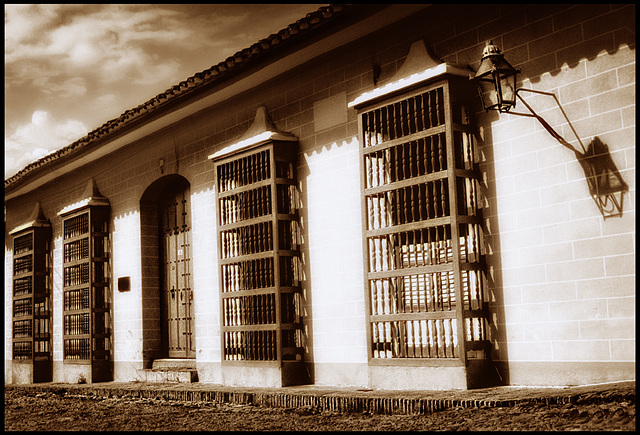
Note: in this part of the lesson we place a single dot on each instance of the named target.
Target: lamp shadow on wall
(605, 183)
(606, 186)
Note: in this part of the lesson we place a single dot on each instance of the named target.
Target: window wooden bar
(31, 305)
(86, 327)
(422, 228)
(259, 264)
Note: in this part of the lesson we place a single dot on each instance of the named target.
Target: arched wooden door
(175, 240)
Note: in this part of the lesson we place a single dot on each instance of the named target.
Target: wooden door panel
(171, 288)
(177, 276)
(186, 297)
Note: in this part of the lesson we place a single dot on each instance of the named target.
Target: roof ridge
(303, 25)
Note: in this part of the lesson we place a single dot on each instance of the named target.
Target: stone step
(164, 376)
(174, 363)
(170, 370)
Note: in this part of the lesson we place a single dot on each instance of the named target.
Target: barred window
(422, 229)
(32, 296)
(260, 271)
(86, 316)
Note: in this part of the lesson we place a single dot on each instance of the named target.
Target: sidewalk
(349, 399)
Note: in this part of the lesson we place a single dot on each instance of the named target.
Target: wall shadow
(302, 172)
(606, 186)
(493, 252)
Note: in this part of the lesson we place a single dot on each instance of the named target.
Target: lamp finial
(490, 49)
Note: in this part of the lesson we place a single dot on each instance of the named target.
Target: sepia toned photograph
(301, 217)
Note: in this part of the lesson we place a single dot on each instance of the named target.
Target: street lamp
(496, 80)
(496, 83)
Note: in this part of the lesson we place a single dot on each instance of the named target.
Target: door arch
(168, 317)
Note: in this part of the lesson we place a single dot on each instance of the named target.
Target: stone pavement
(350, 399)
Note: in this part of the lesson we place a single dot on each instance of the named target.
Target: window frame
(38, 257)
(99, 300)
(451, 86)
(283, 152)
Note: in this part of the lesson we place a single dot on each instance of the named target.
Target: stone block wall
(562, 279)
(559, 272)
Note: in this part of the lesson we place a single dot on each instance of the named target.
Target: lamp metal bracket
(544, 123)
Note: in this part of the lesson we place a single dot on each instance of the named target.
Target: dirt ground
(47, 411)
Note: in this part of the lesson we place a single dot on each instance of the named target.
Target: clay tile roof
(232, 64)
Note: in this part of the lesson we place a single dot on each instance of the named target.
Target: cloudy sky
(71, 68)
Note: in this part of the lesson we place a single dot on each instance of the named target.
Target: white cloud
(42, 136)
(22, 26)
(106, 42)
(73, 87)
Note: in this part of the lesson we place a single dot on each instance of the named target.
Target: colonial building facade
(333, 206)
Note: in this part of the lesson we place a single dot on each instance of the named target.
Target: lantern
(496, 80)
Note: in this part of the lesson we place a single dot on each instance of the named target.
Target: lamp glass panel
(488, 93)
(507, 87)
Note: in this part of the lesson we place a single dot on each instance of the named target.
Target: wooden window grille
(259, 256)
(86, 326)
(422, 221)
(31, 340)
